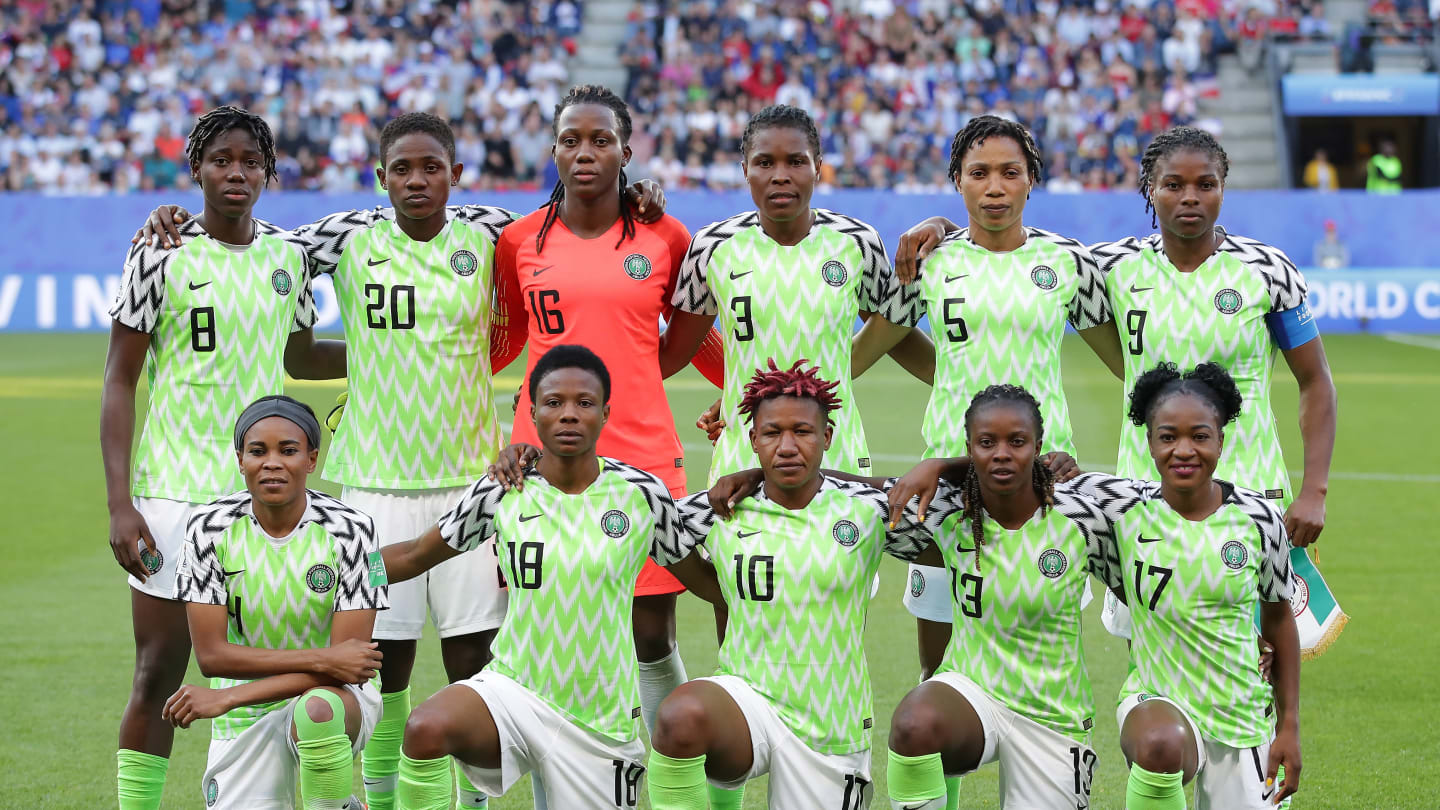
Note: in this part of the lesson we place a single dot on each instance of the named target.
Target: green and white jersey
(999, 318)
(421, 412)
(1215, 314)
(281, 593)
(1193, 588)
(798, 586)
(218, 317)
(1016, 605)
(571, 563)
(789, 303)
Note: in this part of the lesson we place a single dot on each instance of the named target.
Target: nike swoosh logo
(913, 806)
(743, 535)
(949, 279)
(528, 518)
(372, 782)
(228, 574)
(1145, 539)
(373, 262)
(1135, 289)
(195, 286)
(734, 275)
(540, 270)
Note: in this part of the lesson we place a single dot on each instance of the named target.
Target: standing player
(792, 697)
(1198, 559)
(1194, 293)
(588, 274)
(282, 585)
(561, 696)
(210, 322)
(787, 281)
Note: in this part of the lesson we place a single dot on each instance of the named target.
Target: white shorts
(260, 769)
(1115, 616)
(578, 768)
(800, 777)
(166, 519)
(463, 594)
(1226, 778)
(1039, 767)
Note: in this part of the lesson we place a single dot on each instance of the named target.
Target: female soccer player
(591, 275)
(211, 322)
(1194, 293)
(1013, 685)
(1198, 557)
(792, 697)
(787, 281)
(282, 585)
(560, 698)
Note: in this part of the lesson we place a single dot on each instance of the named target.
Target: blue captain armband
(1292, 328)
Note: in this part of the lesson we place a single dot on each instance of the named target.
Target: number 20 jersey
(417, 341)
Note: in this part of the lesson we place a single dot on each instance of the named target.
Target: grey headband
(281, 406)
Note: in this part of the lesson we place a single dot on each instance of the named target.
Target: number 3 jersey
(999, 318)
(281, 593)
(417, 335)
(797, 583)
(1235, 309)
(218, 317)
(570, 562)
(788, 303)
(1192, 588)
(1016, 604)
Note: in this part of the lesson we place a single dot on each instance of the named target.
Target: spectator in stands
(1330, 253)
(1382, 172)
(1320, 173)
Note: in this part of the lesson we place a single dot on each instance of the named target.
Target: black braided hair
(411, 123)
(993, 126)
(780, 115)
(605, 97)
(1041, 479)
(1209, 382)
(220, 120)
(1168, 143)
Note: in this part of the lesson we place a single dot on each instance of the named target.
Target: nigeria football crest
(1052, 563)
(464, 263)
(1234, 554)
(1228, 301)
(615, 523)
(917, 583)
(834, 273)
(152, 560)
(212, 792)
(637, 266)
(281, 281)
(846, 533)
(1044, 277)
(320, 578)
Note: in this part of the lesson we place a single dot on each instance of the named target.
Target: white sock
(657, 680)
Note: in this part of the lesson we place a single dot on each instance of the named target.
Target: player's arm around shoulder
(690, 525)
(462, 529)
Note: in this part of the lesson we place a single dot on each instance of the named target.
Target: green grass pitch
(1369, 730)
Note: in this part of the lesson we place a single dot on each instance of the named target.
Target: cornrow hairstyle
(1168, 143)
(780, 115)
(410, 123)
(591, 94)
(982, 127)
(1041, 478)
(794, 382)
(569, 355)
(1209, 382)
(220, 120)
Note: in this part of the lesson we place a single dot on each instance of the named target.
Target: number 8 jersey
(218, 317)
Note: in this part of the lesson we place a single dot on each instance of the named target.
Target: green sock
(139, 779)
(467, 796)
(424, 784)
(380, 761)
(676, 784)
(916, 781)
(326, 762)
(1154, 791)
(952, 793)
(723, 799)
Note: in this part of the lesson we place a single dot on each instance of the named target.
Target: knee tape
(307, 729)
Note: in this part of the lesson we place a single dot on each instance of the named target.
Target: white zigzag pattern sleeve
(473, 519)
(695, 517)
(1090, 306)
(1276, 582)
(325, 240)
(1284, 282)
(1101, 547)
(198, 577)
(142, 287)
(354, 535)
(692, 289)
(669, 544)
(1108, 254)
(908, 538)
(489, 218)
(880, 290)
(946, 502)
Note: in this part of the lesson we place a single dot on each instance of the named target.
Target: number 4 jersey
(218, 317)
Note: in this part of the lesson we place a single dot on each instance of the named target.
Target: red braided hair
(796, 382)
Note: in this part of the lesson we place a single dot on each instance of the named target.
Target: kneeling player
(272, 576)
(792, 697)
(561, 697)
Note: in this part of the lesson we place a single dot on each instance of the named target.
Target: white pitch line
(1413, 340)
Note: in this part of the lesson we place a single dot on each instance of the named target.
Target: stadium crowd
(97, 96)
